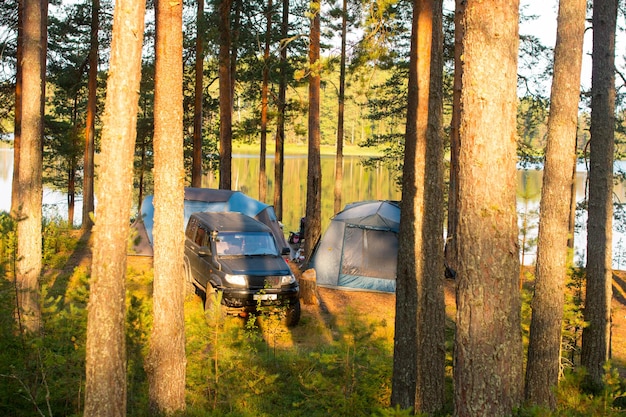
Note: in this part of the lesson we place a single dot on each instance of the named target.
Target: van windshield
(245, 243)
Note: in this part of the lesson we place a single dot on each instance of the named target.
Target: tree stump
(308, 287)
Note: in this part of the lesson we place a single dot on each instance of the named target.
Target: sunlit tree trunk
(341, 109)
(597, 313)
(166, 361)
(90, 123)
(226, 99)
(105, 384)
(279, 155)
(264, 94)
(196, 166)
(419, 347)
(17, 132)
(314, 171)
(544, 350)
(30, 188)
(488, 345)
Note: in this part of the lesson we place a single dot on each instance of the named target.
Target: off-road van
(237, 255)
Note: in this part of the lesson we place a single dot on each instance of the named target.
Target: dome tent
(359, 249)
(206, 200)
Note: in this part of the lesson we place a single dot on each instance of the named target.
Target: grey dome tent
(209, 200)
(359, 249)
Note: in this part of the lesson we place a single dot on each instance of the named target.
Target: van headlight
(236, 279)
(287, 279)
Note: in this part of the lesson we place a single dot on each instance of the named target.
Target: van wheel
(292, 318)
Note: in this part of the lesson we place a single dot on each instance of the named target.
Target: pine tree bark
(544, 350)
(226, 99)
(264, 105)
(488, 344)
(30, 187)
(451, 246)
(90, 122)
(196, 166)
(596, 335)
(341, 108)
(105, 384)
(314, 171)
(419, 348)
(279, 154)
(17, 132)
(166, 361)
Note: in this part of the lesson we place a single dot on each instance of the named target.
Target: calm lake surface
(359, 184)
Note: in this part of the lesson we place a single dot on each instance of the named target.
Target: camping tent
(360, 247)
(206, 200)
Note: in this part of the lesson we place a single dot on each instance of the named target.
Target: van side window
(191, 228)
(200, 236)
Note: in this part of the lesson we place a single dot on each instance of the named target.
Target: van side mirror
(285, 251)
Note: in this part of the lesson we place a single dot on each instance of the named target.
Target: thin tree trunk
(90, 123)
(30, 188)
(105, 384)
(340, 112)
(17, 132)
(544, 350)
(264, 94)
(234, 48)
(279, 155)
(314, 171)
(488, 345)
(71, 192)
(196, 168)
(419, 348)
(451, 246)
(226, 106)
(166, 361)
(597, 313)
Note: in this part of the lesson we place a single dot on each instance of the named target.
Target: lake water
(358, 184)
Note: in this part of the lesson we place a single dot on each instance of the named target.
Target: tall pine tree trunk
(264, 105)
(341, 108)
(90, 123)
(419, 354)
(196, 166)
(488, 344)
(451, 246)
(597, 313)
(105, 384)
(314, 170)
(544, 350)
(30, 187)
(279, 154)
(166, 361)
(226, 99)
(17, 132)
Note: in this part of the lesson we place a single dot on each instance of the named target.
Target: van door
(196, 237)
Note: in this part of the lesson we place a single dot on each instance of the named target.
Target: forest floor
(321, 322)
(380, 307)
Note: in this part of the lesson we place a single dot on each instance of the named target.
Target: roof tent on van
(206, 200)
